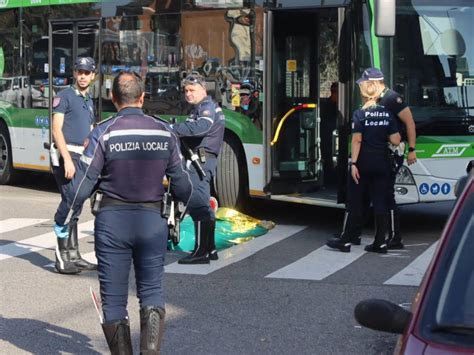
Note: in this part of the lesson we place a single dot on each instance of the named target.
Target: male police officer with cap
(392, 101)
(73, 117)
(203, 133)
(132, 153)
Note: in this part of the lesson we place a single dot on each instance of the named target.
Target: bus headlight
(404, 177)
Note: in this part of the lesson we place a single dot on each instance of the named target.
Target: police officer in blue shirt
(394, 103)
(73, 117)
(131, 152)
(372, 127)
(406, 125)
(203, 133)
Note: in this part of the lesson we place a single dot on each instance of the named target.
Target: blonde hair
(370, 91)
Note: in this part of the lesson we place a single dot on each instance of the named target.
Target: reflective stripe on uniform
(75, 148)
(137, 132)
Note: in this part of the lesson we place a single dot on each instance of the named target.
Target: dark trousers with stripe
(63, 184)
(123, 235)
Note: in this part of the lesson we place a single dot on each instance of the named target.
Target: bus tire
(7, 173)
(231, 180)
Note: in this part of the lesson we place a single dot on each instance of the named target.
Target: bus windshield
(434, 59)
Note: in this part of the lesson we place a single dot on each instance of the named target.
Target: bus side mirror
(384, 18)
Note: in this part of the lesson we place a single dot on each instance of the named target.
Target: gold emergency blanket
(232, 227)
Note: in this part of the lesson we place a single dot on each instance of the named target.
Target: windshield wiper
(453, 328)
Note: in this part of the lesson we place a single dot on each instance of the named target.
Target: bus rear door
(301, 87)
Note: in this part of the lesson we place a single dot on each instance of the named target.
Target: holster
(96, 200)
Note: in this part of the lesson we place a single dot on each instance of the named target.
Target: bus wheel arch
(7, 173)
(231, 180)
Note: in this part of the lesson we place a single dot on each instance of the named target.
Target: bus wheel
(7, 173)
(231, 176)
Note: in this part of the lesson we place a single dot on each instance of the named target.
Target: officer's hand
(355, 174)
(411, 158)
(69, 169)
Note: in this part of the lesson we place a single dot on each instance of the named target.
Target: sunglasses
(193, 80)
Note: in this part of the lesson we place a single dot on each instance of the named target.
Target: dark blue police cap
(85, 63)
(370, 74)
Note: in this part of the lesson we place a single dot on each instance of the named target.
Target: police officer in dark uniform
(393, 102)
(73, 117)
(372, 127)
(203, 133)
(131, 152)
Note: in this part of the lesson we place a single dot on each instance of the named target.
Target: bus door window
(328, 92)
(295, 78)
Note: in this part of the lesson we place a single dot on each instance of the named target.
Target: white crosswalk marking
(413, 274)
(237, 253)
(316, 266)
(320, 263)
(11, 224)
(47, 240)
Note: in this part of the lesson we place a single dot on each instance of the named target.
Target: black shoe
(338, 243)
(152, 323)
(118, 337)
(213, 255)
(356, 241)
(84, 265)
(63, 263)
(382, 249)
(74, 254)
(194, 259)
(395, 244)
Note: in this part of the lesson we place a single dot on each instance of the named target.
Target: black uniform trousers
(58, 171)
(124, 234)
(374, 184)
(199, 207)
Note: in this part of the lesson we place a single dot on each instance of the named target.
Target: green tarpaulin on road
(232, 227)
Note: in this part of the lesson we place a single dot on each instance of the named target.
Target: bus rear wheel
(7, 173)
(231, 176)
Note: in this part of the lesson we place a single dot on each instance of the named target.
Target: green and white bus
(283, 71)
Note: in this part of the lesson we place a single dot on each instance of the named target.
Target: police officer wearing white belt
(372, 127)
(131, 152)
(73, 117)
(203, 133)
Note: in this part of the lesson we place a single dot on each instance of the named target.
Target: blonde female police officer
(131, 152)
(372, 127)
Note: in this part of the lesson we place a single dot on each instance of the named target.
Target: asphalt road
(282, 293)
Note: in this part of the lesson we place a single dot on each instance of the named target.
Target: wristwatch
(411, 149)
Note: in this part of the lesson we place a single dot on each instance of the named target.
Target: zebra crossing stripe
(320, 263)
(43, 241)
(12, 224)
(413, 274)
(238, 252)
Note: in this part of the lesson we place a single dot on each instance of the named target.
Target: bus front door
(293, 86)
(69, 40)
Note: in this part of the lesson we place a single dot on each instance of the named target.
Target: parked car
(441, 320)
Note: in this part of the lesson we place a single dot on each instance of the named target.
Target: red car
(442, 316)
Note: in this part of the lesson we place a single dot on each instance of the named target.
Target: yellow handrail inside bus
(280, 124)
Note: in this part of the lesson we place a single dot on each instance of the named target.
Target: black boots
(211, 245)
(350, 234)
(381, 227)
(73, 246)
(152, 323)
(118, 337)
(63, 264)
(394, 240)
(204, 244)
